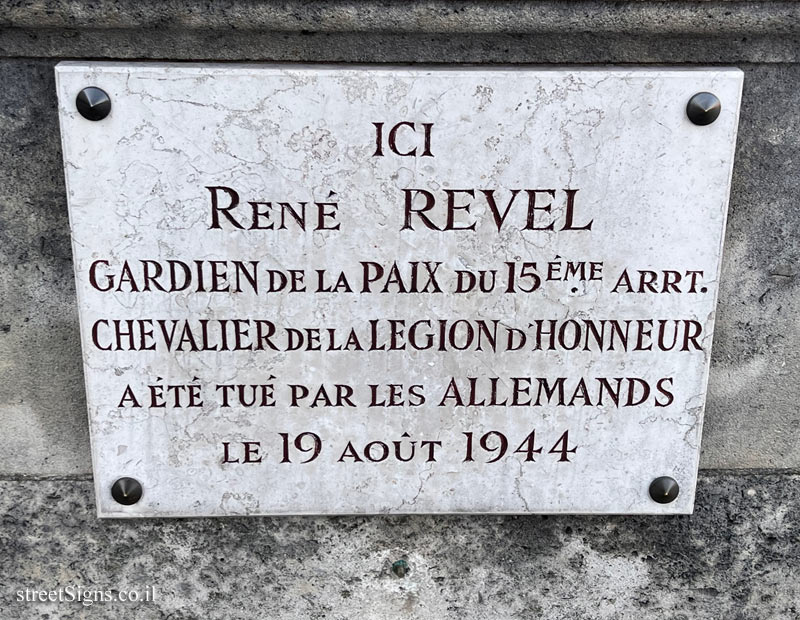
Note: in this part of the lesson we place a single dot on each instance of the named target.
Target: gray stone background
(737, 557)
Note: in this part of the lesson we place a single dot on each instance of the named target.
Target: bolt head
(664, 490)
(126, 491)
(703, 108)
(93, 103)
(400, 568)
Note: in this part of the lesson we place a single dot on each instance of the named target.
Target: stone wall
(736, 557)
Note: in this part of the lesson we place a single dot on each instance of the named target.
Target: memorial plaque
(339, 290)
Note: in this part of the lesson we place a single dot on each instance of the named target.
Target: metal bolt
(703, 108)
(400, 568)
(126, 491)
(93, 103)
(664, 490)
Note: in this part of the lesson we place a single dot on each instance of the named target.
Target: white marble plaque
(345, 290)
